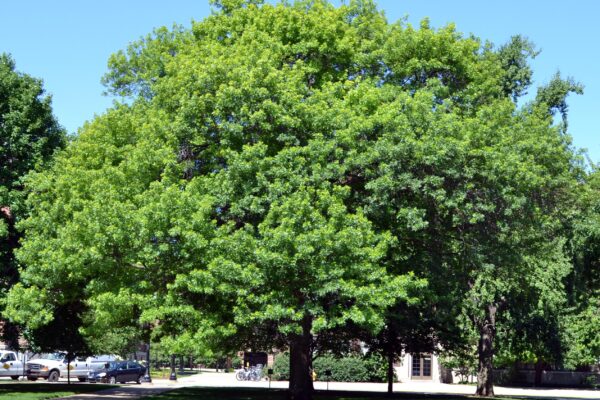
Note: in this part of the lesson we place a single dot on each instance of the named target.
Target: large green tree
(581, 322)
(29, 136)
(286, 171)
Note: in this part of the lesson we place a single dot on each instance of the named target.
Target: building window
(416, 366)
(421, 366)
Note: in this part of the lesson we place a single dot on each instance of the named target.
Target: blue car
(118, 372)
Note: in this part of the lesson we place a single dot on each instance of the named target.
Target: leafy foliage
(281, 367)
(29, 136)
(579, 322)
(514, 60)
(349, 368)
(554, 95)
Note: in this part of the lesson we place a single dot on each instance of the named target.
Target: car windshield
(54, 356)
(111, 365)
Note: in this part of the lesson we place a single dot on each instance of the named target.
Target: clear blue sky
(67, 43)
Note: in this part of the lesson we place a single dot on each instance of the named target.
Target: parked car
(10, 364)
(97, 363)
(118, 372)
(55, 365)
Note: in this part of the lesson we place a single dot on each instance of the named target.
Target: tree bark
(173, 376)
(485, 349)
(301, 384)
(539, 369)
(68, 368)
(390, 373)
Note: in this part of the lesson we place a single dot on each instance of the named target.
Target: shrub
(237, 362)
(464, 362)
(371, 368)
(281, 367)
(591, 381)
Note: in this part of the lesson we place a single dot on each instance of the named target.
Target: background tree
(29, 136)
(579, 324)
(473, 203)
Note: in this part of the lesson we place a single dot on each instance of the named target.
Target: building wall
(404, 370)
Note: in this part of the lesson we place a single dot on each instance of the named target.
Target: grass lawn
(164, 373)
(280, 394)
(38, 391)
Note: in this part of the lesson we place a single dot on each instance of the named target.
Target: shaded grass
(39, 391)
(281, 394)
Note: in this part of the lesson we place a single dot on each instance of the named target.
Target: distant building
(426, 367)
(418, 367)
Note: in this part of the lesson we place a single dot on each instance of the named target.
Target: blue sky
(67, 43)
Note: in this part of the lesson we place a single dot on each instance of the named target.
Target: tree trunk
(173, 376)
(301, 384)
(68, 368)
(485, 349)
(539, 369)
(390, 373)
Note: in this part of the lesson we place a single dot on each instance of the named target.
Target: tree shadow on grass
(30, 390)
(281, 394)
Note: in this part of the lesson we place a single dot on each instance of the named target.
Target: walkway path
(217, 379)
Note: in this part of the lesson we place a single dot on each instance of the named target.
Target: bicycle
(252, 374)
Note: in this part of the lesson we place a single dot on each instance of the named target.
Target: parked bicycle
(253, 373)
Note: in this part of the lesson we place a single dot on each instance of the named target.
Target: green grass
(281, 394)
(39, 391)
(166, 372)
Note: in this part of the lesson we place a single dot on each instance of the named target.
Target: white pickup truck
(10, 364)
(53, 366)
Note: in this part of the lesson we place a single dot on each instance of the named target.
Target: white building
(419, 367)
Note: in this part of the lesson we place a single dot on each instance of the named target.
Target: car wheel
(54, 375)
(15, 377)
(82, 379)
(139, 379)
(113, 380)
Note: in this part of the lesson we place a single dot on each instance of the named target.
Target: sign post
(269, 373)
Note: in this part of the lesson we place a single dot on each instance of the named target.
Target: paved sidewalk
(219, 379)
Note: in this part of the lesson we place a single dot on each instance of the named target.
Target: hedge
(370, 368)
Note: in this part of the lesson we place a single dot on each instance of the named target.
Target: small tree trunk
(539, 369)
(485, 349)
(301, 384)
(173, 376)
(390, 373)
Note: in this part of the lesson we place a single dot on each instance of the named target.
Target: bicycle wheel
(240, 375)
